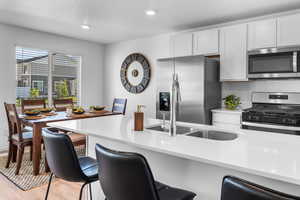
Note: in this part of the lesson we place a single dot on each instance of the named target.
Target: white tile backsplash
(245, 89)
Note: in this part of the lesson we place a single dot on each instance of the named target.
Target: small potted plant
(232, 102)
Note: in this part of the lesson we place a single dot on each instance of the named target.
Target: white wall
(152, 48)
(245, 89)
(91, 72)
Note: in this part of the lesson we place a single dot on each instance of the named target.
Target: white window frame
(38, 82)
(51, 54)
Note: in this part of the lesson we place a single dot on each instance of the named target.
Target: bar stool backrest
(61, 157)
(125, 176)
(235, 188)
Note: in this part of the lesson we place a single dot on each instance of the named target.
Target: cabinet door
(206, 42)
(262, 34)
(288, 31)
(182, 45)
(233, 53)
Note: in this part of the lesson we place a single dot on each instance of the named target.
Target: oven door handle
(273, 126)
(295, 61)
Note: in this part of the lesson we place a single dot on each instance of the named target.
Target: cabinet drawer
(227, 126)
(232, 118)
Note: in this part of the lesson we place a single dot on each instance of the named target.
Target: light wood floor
(60, 190)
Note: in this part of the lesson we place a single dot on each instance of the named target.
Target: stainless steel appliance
(199, 86)
(275, 112)
(274, 63)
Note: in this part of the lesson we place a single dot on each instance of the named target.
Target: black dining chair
(119, 105)
(127, 176)
(64, 163)
(239, 189)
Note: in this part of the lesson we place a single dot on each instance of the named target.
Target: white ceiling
(115, 20)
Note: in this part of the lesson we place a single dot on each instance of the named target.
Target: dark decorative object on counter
(232, 102)
(135, 73)
(139, 119)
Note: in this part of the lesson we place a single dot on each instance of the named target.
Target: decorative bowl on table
(46, 110)
(97, 108)
(78, 110)
(32, 112)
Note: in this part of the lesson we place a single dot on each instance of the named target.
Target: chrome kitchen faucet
(175, 99)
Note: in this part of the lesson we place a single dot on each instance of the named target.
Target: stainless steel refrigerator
(199, 87)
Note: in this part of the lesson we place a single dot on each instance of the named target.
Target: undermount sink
(213, 135)
(179, 129)
(188, 131)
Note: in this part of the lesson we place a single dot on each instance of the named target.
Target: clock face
(135, 73)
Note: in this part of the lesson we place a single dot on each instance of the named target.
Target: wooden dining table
(39, 124)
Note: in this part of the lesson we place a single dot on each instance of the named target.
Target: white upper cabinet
(288, 30)
(233, 53)
(262, 34)
(206, 42)
(182, 45)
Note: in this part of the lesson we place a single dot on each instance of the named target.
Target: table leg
(37, 137)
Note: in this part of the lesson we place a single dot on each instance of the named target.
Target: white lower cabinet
(226, 119)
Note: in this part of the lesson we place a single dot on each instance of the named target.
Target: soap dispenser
(139, 118)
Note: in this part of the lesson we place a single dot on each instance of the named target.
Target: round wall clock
(135, 73)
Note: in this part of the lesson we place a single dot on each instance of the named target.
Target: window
(41, 74)
(37, 84)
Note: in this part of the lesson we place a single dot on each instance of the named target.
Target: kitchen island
(199, 164)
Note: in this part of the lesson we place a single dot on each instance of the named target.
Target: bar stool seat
(160, 185)
(170, 193)
(127, 176)
(89, 167)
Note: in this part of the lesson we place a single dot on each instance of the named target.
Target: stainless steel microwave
(274, 63)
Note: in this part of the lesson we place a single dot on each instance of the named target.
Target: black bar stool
(127, 176)
(235, 188)
(64, 163)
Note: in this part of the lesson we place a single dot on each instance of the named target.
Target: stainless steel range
(275, 112)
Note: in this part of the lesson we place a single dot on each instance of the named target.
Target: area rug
(25, 180)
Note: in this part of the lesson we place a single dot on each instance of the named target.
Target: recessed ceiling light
(85, 27)
(150, 12)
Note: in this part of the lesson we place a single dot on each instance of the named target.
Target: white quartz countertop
(271, 155)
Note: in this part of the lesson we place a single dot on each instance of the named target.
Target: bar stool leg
(81, 190)
(90, 188)
(49, 184)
